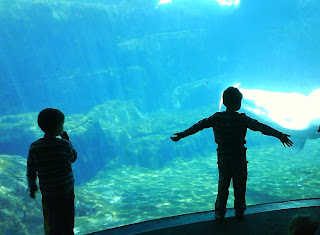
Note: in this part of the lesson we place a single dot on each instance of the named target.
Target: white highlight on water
(221, 2)
(228, 2)
(164, 2)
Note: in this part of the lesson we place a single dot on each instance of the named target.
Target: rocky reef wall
(115, 131)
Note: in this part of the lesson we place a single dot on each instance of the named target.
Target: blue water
(128, 74)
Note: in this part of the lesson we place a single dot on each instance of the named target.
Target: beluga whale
(295, 113)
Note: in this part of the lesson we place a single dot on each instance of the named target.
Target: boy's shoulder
(242, 114)
(43, 141)
(217, 114)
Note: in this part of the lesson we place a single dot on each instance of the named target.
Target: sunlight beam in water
(221, 2)
(228, 2)
(164, 2)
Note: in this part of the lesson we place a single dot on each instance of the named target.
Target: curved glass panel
(129, 74)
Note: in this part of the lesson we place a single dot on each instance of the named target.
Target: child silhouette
(50, 159)
(230, 128)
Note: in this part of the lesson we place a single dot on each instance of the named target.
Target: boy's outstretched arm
(267, 130)
(178, 136)
(204, 123)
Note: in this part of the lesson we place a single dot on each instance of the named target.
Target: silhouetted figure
(230, 128)
(50, 158)
(304, 225)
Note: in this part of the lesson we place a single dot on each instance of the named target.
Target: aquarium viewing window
(130, 74)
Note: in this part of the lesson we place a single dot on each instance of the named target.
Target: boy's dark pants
(231, 167)
(58, 213)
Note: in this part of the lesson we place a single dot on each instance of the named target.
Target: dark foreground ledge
(269, 218)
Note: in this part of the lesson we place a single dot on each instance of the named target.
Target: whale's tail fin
(298, 144)
(300, 137)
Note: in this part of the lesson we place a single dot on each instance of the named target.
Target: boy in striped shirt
(230, 128)
(50, 159)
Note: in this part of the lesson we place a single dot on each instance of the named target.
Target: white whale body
(292, 113)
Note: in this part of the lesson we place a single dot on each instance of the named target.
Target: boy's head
(51, 120)
(232, 98)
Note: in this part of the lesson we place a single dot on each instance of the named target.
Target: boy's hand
(177, 137)
(32, 193)
(285, 140)
(64, 135)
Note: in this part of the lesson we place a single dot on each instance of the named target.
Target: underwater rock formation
(18, 213)
(117, 131)
(89, 141)
(18, 132)
(164, 39)
(144, 139)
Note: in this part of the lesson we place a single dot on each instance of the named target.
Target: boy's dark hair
(232, 97)
(303, 225)
(49, 118)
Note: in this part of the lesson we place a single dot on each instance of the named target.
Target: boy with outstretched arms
(230, 128)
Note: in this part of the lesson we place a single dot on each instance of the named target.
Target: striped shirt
(50, 159)
(230, 129)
